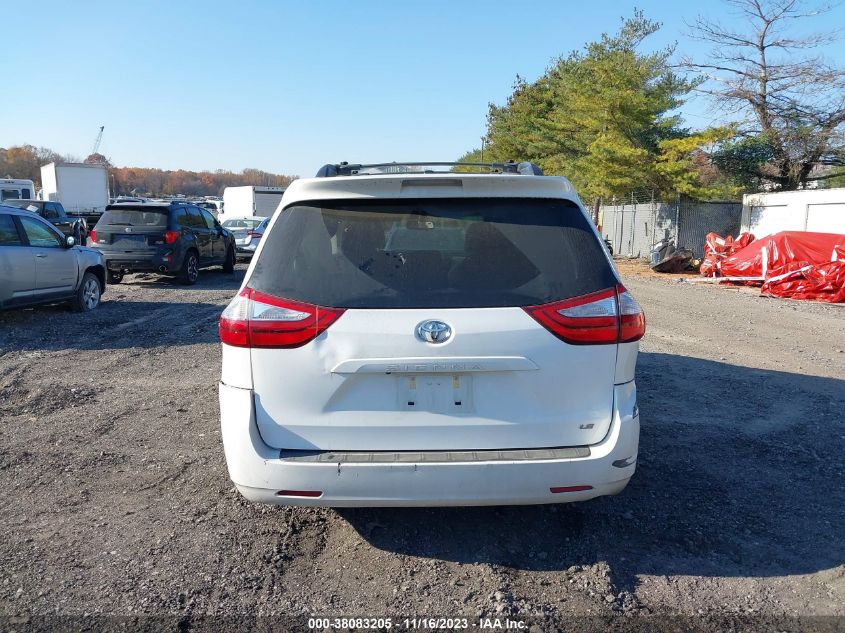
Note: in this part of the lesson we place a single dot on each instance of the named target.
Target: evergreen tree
(604, 117)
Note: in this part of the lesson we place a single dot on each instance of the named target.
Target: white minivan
(417, 335)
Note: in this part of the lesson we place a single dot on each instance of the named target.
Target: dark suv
(169, 238)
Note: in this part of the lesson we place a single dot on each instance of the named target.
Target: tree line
(607, 116)
(153, 182)
(25, 161)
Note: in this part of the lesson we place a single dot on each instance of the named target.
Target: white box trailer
(815, 210)
(250, 201)
(82, 189)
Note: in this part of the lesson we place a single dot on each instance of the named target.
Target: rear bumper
(139, 262)
(259, 472)
(245, 251)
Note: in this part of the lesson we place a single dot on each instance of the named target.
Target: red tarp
(795, 264)
(822, 282)
(717, 248)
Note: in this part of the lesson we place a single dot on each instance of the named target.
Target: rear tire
(229, 262)
(88, 294)
(114, 276)
(190, 269)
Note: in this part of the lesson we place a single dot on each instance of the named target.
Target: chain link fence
(635, 224)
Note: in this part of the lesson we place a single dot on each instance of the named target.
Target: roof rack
(347, 169)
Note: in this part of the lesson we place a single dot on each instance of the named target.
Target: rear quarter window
(8, 231)
(448, 253)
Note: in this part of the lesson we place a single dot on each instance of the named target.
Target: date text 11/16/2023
(418, 623)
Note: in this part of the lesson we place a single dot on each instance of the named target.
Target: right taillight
(631, 317)
(170, 237)
(256, 319)
(600, 318)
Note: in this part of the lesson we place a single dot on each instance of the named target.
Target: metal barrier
(634, 227)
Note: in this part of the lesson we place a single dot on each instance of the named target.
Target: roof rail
(347, 169)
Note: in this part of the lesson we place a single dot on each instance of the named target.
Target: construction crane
(99, 140)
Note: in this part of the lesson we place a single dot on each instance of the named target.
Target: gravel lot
(115, 497)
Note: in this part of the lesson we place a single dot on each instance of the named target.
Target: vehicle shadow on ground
(736, 477)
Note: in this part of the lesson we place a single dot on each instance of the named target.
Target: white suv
(406, 337)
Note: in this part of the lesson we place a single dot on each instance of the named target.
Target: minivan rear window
(146, 217)
(432, 253)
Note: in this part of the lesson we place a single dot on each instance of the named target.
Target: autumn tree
(25, 161)
(145, 181)
(97, 159)
(792, 102)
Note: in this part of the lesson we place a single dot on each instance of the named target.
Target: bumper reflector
(557, 489)
(300, 493)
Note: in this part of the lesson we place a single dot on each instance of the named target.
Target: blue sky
(288, 86)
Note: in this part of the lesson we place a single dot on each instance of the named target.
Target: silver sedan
(248, 233)
(38, 264)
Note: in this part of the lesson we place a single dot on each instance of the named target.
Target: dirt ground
(115, 497)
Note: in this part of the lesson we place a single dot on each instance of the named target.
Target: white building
(816, 210)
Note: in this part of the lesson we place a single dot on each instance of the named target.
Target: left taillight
(600, 318)
(256, 319)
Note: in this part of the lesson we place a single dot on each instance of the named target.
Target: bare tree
(791, 99)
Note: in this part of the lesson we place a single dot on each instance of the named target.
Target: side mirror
(70, 242)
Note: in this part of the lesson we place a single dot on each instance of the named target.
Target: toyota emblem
(434, 332)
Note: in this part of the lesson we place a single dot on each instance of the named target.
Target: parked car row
(212, 205)
(43, 258)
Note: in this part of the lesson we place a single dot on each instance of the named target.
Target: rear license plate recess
(435, 393)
